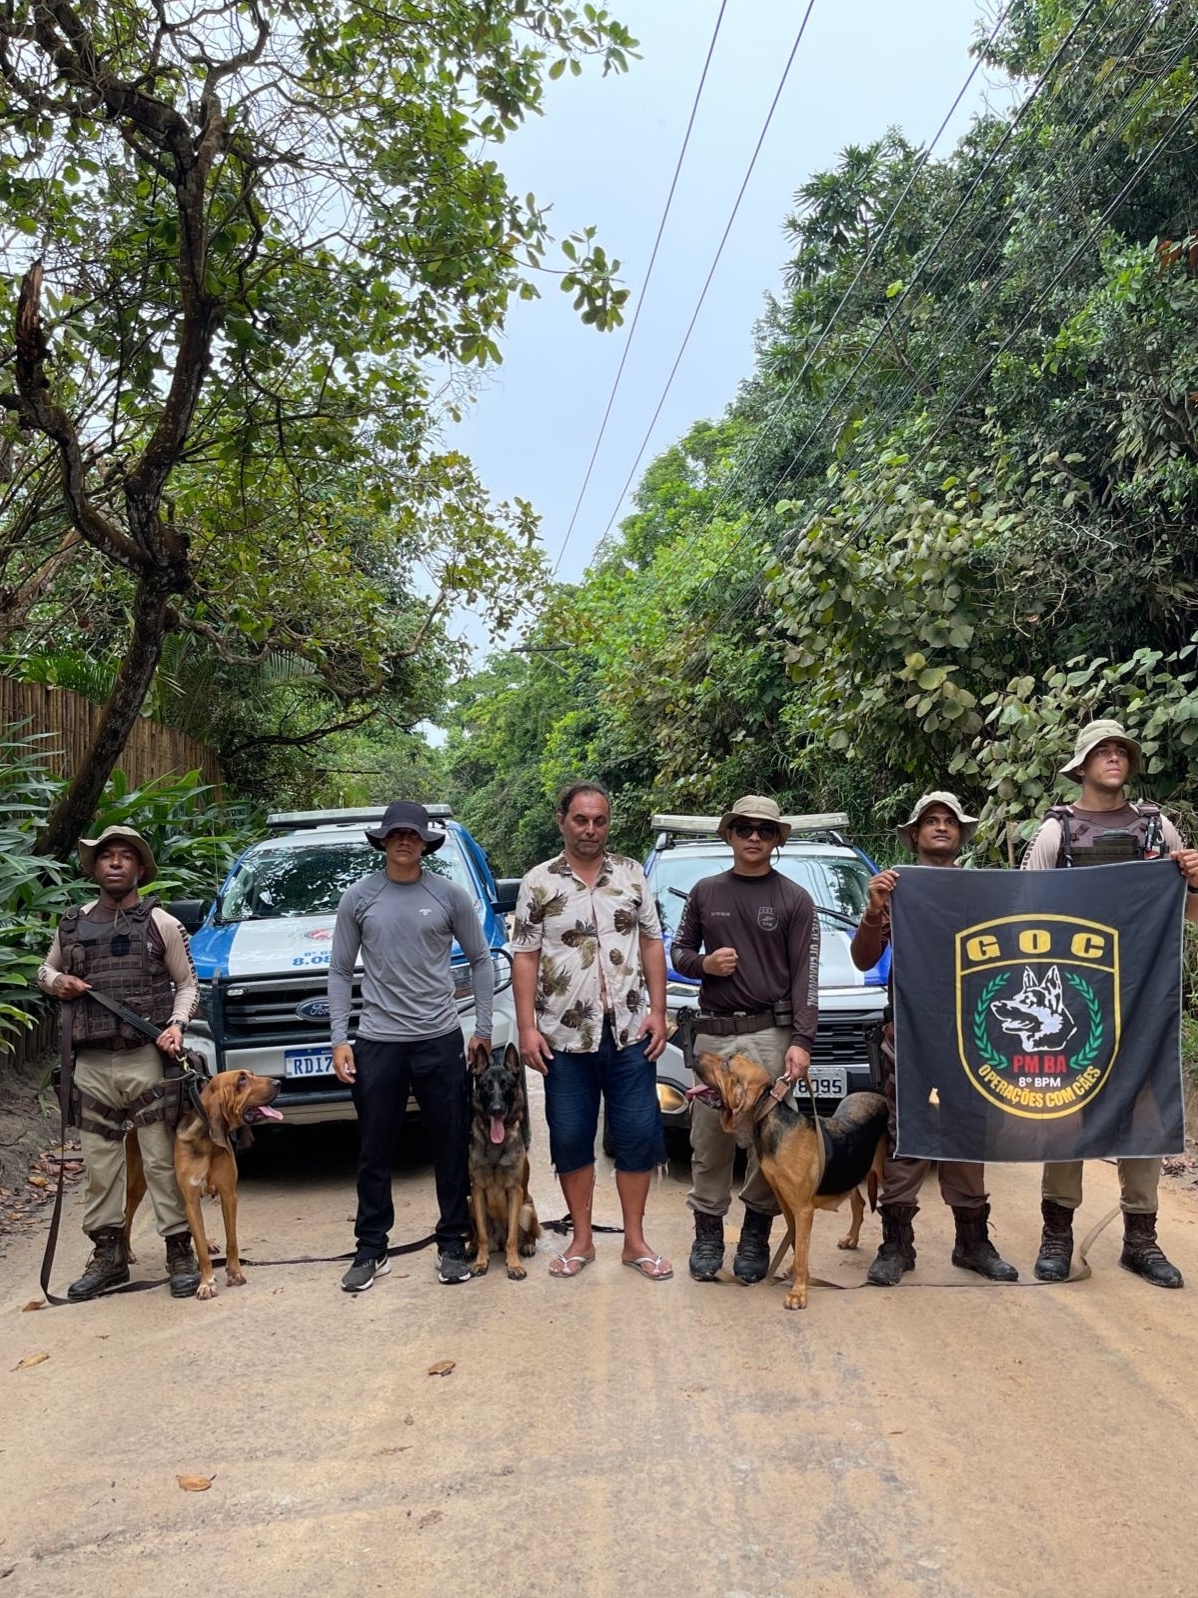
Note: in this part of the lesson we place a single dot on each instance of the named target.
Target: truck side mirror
(506, 889)
(190, 912)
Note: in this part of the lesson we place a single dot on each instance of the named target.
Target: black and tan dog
(809, 1169)
(500, 1204)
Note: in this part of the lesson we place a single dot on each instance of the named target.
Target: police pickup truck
(262, 950)
(836, 874)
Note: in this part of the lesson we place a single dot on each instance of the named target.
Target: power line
(715, 263)
(661, 227)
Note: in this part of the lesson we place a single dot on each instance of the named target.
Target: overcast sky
(604, 153)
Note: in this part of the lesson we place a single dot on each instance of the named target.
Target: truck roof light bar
(297, 820)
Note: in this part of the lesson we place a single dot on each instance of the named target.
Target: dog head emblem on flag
(1038, 1011)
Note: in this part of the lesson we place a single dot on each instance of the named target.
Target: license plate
(830, 1083)
(307, 1062)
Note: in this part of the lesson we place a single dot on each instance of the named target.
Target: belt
(726, 1026)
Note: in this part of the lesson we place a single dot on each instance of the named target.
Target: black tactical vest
(124, 959)
(1084, 844)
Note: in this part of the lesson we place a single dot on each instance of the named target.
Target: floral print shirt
(589, 943)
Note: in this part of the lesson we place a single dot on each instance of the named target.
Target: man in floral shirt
(589, 979)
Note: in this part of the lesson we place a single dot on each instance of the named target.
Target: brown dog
(205, 1163)
(807, 1171)
(500, 1204)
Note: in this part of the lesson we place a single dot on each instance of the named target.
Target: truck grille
(840, 1043)
(266, 1012)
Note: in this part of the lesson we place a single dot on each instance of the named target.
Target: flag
(1037, 1014)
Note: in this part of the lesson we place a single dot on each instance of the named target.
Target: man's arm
(803, 952)
(653, 967)
(873, 930)
(534, 1048)
(1187, 864)
(1045, 848)
(176, 955)
(347, 940)
(688, 940)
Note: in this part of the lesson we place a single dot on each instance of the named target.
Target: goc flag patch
(1038, 1013)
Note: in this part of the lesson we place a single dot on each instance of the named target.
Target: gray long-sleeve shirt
(405, 931)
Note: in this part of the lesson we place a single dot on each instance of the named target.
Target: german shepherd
(806, 1171)
(500, 1204)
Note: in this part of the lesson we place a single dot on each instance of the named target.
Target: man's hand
(798, 1063)
(534, 1050)
(478, 1042)
(653, 1030)
(69, 987)
(170, 1040)
(343, 1062)
(720, 964)
(1187, 864)
(880, 889)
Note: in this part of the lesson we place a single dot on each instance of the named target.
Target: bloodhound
(808, 1168)
(205, 1163)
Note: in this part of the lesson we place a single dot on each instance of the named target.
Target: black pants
(434, 1069)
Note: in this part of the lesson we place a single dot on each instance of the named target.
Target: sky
(604, 154)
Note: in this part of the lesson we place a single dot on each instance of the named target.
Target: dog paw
(480, 1267)
(235, 1278)
(516, 1273)
(527, 1250)
(796, 1299)
(847, 1242)
(206, 1290)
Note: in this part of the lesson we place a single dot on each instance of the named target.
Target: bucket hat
(753, 807)
(89, 848)
(414, 818)
(938, 796)
(1100, 732)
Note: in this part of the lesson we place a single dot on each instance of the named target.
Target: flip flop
(649, 1266)
(578, 1261)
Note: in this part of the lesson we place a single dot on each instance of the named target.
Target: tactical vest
(1085, 844)
(124, 959)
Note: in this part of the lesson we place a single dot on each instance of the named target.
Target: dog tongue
(706, 1095)
(262, 1112)
(498, 1130)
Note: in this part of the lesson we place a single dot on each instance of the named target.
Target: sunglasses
(755, 829)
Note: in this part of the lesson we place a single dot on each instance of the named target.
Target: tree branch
(299, 740)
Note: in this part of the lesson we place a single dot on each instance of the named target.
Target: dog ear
(480, 1059)
(511, 1060)
(1052, 984)
(1029, 978)
(213, 1100)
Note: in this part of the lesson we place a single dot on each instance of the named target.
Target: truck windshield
(309, 880)
(835, 883)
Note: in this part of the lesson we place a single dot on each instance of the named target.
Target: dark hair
(568, 795)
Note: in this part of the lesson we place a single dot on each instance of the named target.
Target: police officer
(1100, 828)
(129, 949)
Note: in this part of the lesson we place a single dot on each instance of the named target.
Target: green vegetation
(952, 513)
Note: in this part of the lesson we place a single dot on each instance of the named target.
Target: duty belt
(726, 1026)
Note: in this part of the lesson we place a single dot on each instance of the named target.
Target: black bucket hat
(411, 817)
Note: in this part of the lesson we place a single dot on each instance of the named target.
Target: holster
(879, 1046)
(684, 1034)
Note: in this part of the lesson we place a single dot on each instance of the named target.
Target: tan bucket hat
(89, 848)
(753, 807)
(1101, 732)
(938, 796)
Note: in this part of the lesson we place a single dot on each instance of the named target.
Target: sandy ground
(605, 1435)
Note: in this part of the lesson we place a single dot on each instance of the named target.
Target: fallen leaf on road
(441, 1368)
(195, 1484)
(30, 1359)
(894, 1434)
(34, 1303)
(37, 1181)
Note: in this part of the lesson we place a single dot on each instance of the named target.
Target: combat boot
(752, 1258)
(707, 1251)
(1142, 1254)
(181, 1266)
(897, 1252)
(1056, 1243)
(107, 1267)
(974, 1251)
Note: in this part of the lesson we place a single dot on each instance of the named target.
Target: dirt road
(605, 1435)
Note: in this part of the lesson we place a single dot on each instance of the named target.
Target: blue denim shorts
(628, 1082)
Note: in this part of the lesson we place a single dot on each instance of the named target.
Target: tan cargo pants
(713, 1151)
(1061, 1183)
(117, 1077)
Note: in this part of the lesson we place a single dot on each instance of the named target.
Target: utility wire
(794, 49)
(661, 227)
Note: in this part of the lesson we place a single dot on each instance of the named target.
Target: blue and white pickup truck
(262, 950)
